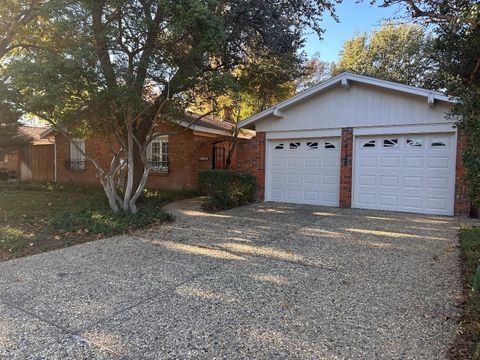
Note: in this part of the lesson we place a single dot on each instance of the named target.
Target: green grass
(39, 217)
(470, 248)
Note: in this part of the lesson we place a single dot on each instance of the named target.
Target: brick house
(189, 147)
(33, 159)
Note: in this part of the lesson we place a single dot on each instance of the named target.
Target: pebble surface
(266, 281)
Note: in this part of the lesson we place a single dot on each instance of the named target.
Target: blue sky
(354, 18)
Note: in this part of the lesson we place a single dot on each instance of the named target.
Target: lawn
(468, 341)
(40, 217)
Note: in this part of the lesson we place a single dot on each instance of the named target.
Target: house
(360, 142)
(176, 157)
(33, 160)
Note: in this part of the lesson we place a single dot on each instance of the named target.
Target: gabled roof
(33, 134)
(344, 79)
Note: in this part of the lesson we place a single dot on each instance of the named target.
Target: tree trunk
(111, 194)
(130, 170)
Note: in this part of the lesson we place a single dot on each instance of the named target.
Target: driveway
(267, 281)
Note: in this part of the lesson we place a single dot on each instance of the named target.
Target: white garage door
(304, 171)
(413, 173)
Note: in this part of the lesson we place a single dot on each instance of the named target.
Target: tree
(398, 53)
(118, 67)
(457, 50)
(315, 71)
(18, 25)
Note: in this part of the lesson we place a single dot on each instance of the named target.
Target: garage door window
(279, 147)
(312, 145)
(294, 145)
(439, 142)
(390, 143)
(330, 145)
(369, 144)
(414, 142)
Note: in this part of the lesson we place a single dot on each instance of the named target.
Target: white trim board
(409, 129)
(302, 134)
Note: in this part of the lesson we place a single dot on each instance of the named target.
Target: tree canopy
(119, 67)
(400, 53)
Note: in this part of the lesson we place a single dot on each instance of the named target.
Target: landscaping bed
(467, 345)
(40, 217)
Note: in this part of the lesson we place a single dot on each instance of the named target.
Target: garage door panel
(293, 179)
(388, 200)
(307, 172)
(412, 181)
(390, 161)
(412, 202)
(311, 163)
(415, 162)
(389, 180)
(437, 183)
(330, 162)
(368, 162)
(438, 162)
(294, 162)
(311, 179)
(415, 173)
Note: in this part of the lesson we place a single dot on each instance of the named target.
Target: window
(157, 154)
(77, 159)
(329, 145)
(438, 142)
(294, 145)
(389, 143)
(415, 142)
(312, 144)
(369, 144)
(279, 147)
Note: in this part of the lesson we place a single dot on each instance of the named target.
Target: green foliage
(470, 248)
(226, 189)
(34, 215)
(459, 51)
(400, 53)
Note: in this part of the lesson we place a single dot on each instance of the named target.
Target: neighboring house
(33, 160)
(176, 157)
(355, 141)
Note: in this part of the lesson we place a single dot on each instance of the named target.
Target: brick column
(346, 168)
(462, 199)
(251, 158)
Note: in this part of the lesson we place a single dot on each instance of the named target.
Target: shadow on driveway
(264, 281)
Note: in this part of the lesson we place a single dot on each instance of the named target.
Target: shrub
(226, 189)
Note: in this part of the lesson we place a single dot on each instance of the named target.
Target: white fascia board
(345, 79)
(399, 87)
(405, 129)
(300, 134)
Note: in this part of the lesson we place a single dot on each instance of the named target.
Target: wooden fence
(37, 163)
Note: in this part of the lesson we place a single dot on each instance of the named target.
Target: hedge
(226, 189)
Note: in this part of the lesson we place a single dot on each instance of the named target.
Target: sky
(354, 18)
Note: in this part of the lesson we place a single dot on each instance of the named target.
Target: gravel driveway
(267, 281)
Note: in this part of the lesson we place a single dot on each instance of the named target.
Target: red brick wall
(462, 200)
(11, 163)
(188, 154)
(251, 157)
(346, 168)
